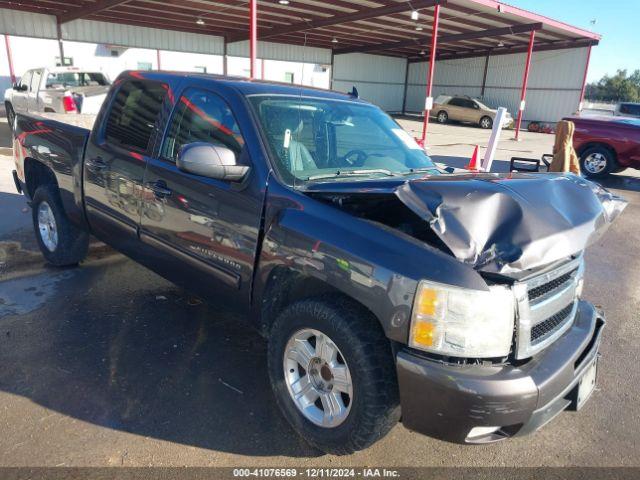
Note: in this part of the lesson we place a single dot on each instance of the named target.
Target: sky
(618, 21)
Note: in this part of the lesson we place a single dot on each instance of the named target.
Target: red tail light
(68, 103)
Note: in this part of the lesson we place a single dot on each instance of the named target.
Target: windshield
(313, 139)
(76, 79)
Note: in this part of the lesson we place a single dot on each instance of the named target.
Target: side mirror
(211, 161)
(18, 88)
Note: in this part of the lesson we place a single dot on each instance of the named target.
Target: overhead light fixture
(422, 52)
(200, 21)
(500, 44)
(414, 15)
(283, 2)
(334, 40)
(419, 28)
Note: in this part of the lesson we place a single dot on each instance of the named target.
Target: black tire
(598, 152)
(11, 114)
(375, 408)
(442, 117)
(486, 123)
(72, 243)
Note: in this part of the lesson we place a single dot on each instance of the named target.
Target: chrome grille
(546, 307)
(551, 324)
(551, 286)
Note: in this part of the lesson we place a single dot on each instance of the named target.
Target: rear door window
(134, 114)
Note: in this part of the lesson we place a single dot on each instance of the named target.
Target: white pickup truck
(56, 90)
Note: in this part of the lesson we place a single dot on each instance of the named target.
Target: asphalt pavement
(108, 364)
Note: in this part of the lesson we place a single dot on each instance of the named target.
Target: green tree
(620, 87)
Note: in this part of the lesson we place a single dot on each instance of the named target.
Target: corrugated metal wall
(36, 25)
(280, 51)
(460, 77)
(379, 79)
(554, 89)
(25, 24)
(141, 37)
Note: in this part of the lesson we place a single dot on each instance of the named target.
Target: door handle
(96, 165)
(159, 188)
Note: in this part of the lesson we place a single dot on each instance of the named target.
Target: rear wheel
(486, 123)
(333, 375)
(60, 242)
(598, 162)
(442, 117)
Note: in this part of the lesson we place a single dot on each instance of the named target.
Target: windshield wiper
(351, 173)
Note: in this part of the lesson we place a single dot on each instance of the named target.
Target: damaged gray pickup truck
(387, 289)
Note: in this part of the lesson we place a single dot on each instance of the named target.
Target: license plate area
(586, 384)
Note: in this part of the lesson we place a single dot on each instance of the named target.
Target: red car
(606, 144)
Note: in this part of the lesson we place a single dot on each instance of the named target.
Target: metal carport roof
(468, 28)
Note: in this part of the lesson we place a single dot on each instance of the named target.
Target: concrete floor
(110, 365)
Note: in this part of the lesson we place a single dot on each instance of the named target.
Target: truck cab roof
(247, 86)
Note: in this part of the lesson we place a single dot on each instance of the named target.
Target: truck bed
(58, 141)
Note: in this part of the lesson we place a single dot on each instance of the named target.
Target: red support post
(525, 82)
(158, 57)
(262, 69)
(584, 81)
(253, 36)
(12, 73)
(432, 70)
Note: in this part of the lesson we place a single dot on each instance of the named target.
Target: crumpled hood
(512, 222)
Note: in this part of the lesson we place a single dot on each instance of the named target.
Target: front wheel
(333, 375)
(442, 117)
(486, 123)
(61, 243)
(598, 162)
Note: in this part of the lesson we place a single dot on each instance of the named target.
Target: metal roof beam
(545, 47)
(87, 10)
(493, 32)
(337, 19)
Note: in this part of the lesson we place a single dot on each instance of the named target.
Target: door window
(35, 81)
(134, 113)
(457, 102)
(630, 108)
(25, 81)
(202, 116)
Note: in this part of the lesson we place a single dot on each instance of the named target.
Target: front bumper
(448, 401)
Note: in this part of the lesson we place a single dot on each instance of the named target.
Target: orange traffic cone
(473, 163)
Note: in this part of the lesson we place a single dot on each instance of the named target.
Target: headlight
(462, 323)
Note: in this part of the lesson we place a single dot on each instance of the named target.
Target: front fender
(373, 264)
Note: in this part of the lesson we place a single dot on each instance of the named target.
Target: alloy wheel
(318, 378)
(47, 226)
(595, 163)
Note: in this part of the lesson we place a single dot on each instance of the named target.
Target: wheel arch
(286, 286)
(37, 173)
